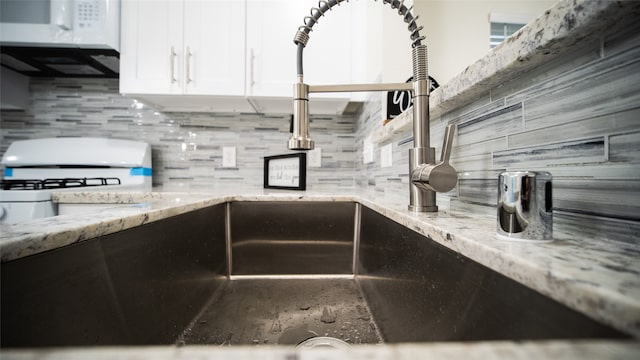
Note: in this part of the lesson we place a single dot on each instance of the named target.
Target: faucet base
(414, 208)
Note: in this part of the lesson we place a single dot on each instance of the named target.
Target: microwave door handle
(62, 13)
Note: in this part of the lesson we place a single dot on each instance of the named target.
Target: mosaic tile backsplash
(577, 117)
(186, 147)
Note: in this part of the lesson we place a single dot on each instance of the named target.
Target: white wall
(396, 47)
(457, 31)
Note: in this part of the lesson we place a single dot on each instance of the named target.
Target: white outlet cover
(367, 153)
(314, 158)
(386, 155)
(229, 156)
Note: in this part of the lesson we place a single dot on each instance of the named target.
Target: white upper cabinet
(271, 62)
(151, 56)
(190, 47)
(271, 27)
(214, 39)
(213, 55)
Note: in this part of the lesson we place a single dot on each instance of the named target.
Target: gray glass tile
(571, 152)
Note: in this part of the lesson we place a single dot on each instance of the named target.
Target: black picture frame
(287, 171)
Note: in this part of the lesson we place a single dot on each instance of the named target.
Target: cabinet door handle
(188, 65)
(172, 60)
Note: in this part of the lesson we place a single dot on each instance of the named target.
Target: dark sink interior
(279, 311)
(271, 273)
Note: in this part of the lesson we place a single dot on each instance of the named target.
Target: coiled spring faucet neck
(300, 139)
(302, 35)
(426, 176)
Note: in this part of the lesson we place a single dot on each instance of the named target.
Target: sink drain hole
(323, 342)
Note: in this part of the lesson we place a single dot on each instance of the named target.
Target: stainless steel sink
(271, 273)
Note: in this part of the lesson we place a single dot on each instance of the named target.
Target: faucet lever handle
(449, 131)
(440, 177)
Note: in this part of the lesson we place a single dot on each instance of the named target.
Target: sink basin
(245, 273)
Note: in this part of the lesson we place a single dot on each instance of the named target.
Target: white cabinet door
(271, 63)
(328, 55)
(214, 47)
(366, 65)
(151, 54)
(191, 47)
(270, 50)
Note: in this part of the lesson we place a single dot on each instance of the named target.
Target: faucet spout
(426, 176)
(300, 139)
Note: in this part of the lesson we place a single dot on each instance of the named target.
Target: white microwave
(60, 37)
(81, 23)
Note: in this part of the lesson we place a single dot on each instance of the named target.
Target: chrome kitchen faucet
(427, 177)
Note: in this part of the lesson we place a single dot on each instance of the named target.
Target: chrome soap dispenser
(525, 206)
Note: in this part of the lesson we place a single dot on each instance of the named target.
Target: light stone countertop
(595, 277)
